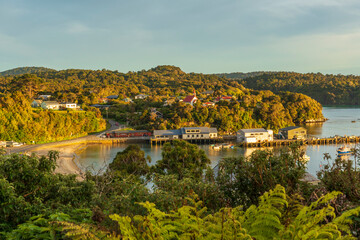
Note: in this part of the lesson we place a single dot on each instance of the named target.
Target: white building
(198, 133)
(68, 105)
(141, 96)
(50, 105)
(255, 135)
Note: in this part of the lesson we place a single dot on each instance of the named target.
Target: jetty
(307, 141)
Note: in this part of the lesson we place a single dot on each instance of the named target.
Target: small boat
(227, 145)
(216, 147)
(353, 121)
(343, 150)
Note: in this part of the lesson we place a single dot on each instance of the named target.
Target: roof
(209, 103)
(51, 103)
(204, 130)
(290, 128)
(167, 132)
(112, 96)
(190, 98)
(129, 131)
(38, 100)
(253, 130)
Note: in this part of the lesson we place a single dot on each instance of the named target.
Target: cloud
(77, 28)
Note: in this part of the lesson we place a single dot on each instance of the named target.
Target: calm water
(97, 157)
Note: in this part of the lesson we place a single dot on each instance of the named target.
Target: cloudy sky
(196, 35)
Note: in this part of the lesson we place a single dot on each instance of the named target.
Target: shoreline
(66, 163)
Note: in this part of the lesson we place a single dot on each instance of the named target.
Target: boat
(353, 121)
(227, 145)
(216, 146)
(344, 150)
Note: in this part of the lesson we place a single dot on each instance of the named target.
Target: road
(26, 148)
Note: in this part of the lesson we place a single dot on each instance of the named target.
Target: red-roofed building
(223, 98)
(208, 104)
(190, 99)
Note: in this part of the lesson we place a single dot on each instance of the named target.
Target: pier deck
(308, 141)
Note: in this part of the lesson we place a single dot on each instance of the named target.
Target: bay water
(343, 120)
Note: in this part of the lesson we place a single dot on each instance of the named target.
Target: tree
(183, 159)
(131, 161)
(243, 180)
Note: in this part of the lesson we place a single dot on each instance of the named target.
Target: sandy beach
(67, 154)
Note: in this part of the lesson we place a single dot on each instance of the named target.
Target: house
(189, 133)
(103, 100)
(112, 97)
(50, 105)
(128, 100)
(223, 98)
(254, 135)
(141, 96)
(191, 99)
(68, 105)
(45, 97)
(36, 103)
(293, 132)
(208, 104)
(208, 92)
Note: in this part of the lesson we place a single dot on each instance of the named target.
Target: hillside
(23, 70)
(247, 109)
(241, 75)
(327, 89)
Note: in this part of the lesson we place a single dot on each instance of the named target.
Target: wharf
(194, 140)
(308, 141)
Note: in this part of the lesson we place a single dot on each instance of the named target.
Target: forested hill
(23, 70)
(247, 109)
(327, 89)
(241, 75)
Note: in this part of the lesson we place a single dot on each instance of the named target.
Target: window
(202, 135)
(192, 135)
(197, 135)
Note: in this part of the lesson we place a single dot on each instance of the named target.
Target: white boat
(344, 150)
(216, 147)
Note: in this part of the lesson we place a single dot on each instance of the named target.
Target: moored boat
(344, 150)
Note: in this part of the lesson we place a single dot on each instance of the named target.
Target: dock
(308, 141)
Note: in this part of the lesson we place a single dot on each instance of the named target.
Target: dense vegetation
(23, 70)
(19, 122)
(168, 84)
(120, 204)
(327, 89)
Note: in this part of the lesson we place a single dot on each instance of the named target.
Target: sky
(204, 36)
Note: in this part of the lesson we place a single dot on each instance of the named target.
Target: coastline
(65, 164)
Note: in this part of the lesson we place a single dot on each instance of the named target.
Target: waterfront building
(128, 133)
(167, 134)
(293, 132)
(255, 135)
(68, 105)
(187, 133)
(198, 133)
